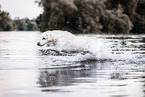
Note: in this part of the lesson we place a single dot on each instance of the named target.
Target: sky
(21, 8)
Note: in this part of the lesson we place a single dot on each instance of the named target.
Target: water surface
(26, 72)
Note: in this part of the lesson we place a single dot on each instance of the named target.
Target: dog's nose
(38, 43)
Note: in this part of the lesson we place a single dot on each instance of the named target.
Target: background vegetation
(93, 16)
(83, 16)
(7, 24)
(25, 24)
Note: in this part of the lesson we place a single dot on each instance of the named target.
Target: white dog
(65, 41)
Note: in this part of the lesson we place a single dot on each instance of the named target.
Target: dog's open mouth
(48, 44)
(39, 44)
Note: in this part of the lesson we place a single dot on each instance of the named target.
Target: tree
(6, 23)
(25, 24)
(83, 16)
(134, 9)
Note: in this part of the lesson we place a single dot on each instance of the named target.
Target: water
(119, 70)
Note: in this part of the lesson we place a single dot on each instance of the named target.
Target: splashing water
(103, 47)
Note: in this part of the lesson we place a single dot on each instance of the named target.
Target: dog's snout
(38, 43)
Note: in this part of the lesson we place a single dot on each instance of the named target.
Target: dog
(67, 42)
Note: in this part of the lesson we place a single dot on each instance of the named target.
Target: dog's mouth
(39, 44)
(48, 44)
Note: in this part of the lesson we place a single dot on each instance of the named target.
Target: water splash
(105, 47)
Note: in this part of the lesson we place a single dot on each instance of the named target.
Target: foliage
(83, 16)
(6, 23)
(25, 24)
(135, 9)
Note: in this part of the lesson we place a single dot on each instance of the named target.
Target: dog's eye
(43, 38)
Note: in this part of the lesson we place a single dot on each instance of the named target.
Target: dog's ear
(53, 40)
(52, 37)
(47, 35)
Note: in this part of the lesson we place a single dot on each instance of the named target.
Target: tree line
(7, 24)
(93, 16)
(83, 16)
(25, 24)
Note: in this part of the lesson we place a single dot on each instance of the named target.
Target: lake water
(26, 72)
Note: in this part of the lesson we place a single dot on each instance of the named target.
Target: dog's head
(46, 39)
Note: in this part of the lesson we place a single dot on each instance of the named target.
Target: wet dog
(64, 41)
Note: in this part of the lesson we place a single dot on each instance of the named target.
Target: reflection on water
(64, 76)
(25, 72)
